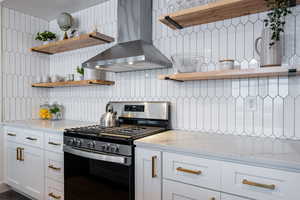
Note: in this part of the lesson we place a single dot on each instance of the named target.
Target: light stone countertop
(46, 125)
(265, 152)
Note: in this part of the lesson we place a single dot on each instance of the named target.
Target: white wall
(19, 68)
(209, 106)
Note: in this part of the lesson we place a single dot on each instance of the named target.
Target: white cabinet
(178, 191)
(13, 167)
(195, 178)
(33, 172)
(147, 174)
(34, 163)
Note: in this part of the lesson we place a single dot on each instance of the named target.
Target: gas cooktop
(122, 132)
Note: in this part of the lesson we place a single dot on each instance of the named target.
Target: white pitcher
(270, 56)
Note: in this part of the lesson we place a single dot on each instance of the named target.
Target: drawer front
(231, 197)
(54, 165)
(13, 135)
(191, 170)
(33, 138)
(179, 191)
(260, 183)
(54, 190)
(54, 142)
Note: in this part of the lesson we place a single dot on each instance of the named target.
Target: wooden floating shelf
(82, 41)
(212, 12)
(73, 83)
(233, 74)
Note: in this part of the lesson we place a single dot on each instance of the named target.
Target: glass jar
(44, 111)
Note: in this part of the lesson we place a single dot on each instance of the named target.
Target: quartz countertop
(57, 126)
(265, 152)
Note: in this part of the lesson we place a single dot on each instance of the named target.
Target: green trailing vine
(45, 36)
(276, 17)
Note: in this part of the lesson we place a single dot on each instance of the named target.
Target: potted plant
(56, 112)
(45, 36)
(80, 71)
(276, 17)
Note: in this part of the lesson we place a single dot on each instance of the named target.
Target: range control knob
(91, 145)
(78, 143)
(71, 141)
(114, 149)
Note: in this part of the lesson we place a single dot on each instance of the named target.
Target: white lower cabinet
(14, 167)
(178, 191)
(33, 172)
(32, 167)
(147, 174)
(194, 178)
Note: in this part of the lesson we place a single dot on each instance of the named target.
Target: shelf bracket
(173, 22)
(104, 40)
(170, 79)
(292, 72)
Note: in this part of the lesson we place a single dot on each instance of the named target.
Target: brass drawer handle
(18, 153)
(21, 158)
(270, 187)
(54, 196)
(154, 166)
(54, 168)
(32, 139)
(12, 134)
(54, 144)
(180, 169)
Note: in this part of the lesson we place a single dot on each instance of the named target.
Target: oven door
(94, 176)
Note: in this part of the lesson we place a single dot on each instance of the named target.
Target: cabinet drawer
(179, 191)
(54, 165)
(231, 197)
(13, 135)
(54, 142)
(192, 170)
(54, 190)
(33, 138)
(260, 183)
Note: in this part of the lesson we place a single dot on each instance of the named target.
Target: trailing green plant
(45, 36)
(80, 70)
(276, 17)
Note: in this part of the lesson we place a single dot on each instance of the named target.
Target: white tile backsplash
(208, 106)
(20, 67)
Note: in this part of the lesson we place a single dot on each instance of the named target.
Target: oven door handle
(98, 156)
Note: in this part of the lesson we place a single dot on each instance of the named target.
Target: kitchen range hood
(134, 50)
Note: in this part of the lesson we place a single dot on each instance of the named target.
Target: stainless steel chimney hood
(134, 50)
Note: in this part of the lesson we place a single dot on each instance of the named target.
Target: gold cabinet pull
(32, 139)
(18, 153)
(54, 144)
(54, 168)
(54, 196)
(189, 171)
(21, 158)
(12, 134)
(270, 187)
(154, 166)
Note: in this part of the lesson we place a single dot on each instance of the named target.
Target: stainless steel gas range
(99, 162)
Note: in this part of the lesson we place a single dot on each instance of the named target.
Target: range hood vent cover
(134, 50)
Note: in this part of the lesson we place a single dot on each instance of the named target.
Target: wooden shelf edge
(233, 74)
(73, 83)
(215, 11)
(82, 38)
